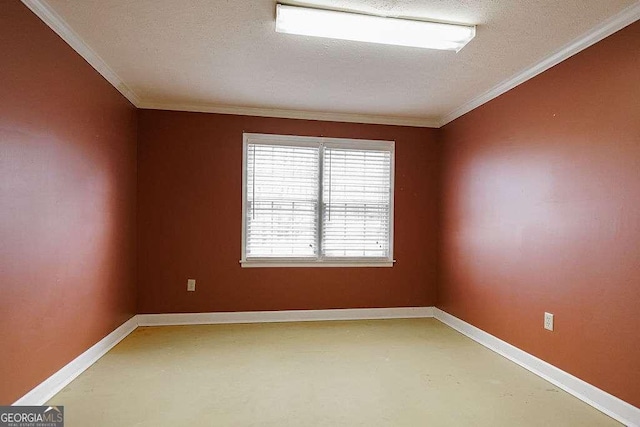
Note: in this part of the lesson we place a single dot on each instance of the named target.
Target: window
(316, 201)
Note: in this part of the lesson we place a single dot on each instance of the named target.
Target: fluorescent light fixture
(374, 29)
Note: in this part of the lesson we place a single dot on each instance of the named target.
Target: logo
(31, 416)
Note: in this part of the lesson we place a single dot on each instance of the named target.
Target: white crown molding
(56, 382)
(599, 399)
(283, 316)
(293, 114)
(604, 29)
(61, 28)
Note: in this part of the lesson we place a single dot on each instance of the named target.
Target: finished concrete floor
(414, 372)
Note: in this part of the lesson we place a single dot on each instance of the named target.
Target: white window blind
(282, 201)
(356, 203)
(317, 201)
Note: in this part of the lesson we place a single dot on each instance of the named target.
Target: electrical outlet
(191, 285)
(548, 321)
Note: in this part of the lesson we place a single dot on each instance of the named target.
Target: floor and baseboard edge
(56, 382)
(599, 399)
(283, 316)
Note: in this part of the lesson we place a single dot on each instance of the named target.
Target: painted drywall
(541, 209)
(67, 195)
(190, 222)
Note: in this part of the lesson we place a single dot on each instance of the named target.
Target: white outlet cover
(191, 285)
(548, 321)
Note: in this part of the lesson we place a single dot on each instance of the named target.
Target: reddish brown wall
(67, 195)
(190, 174)
(542, 213)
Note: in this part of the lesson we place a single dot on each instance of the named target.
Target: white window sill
(312, 264)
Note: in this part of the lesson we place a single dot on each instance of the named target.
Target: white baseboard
(599, 399)
(56, 382)
(282, 316)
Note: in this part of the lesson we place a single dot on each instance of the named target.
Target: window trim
(312, 141)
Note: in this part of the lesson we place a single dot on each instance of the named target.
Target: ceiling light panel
(373, 29)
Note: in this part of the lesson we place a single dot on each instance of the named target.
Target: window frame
(321, 142)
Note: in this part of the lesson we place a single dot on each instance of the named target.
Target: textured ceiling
(226, 52)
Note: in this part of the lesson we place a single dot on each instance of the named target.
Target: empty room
(319, 213)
